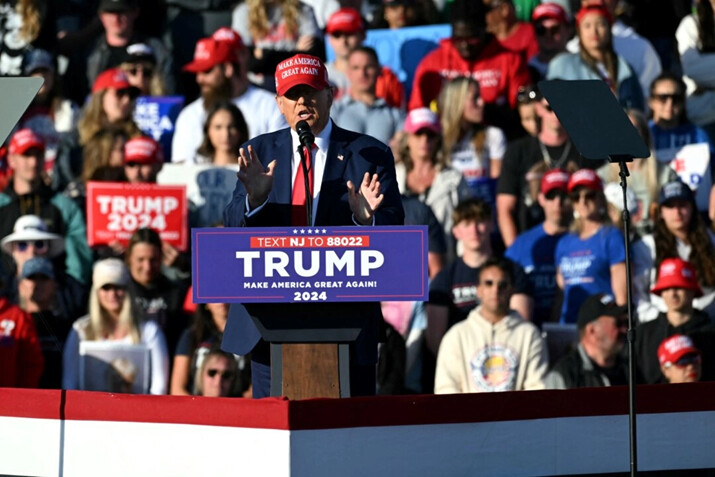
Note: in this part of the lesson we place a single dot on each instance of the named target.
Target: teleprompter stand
(600, 129)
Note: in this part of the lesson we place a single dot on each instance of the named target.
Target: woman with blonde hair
(218, 375)
(422, 171)
(471, 147)
(111, 102)
(590, 259)
(111, 318)
(274, 30)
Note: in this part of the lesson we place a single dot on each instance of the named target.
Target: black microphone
(305, 134)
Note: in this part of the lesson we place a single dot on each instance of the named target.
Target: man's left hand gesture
(366, 200)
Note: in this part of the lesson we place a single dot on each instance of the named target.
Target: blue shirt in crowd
(586, 267)
(534, 251)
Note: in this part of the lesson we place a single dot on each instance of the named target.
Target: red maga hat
(675, 347)
(301, 69)
(143, 150)
(113, 78)
(24, 140)
(210, 52)
(554, 179)
(422, 118)
(584, 178)
(346, 20)
(549, 10)
(230, 36)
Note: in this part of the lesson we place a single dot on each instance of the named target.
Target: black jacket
(163, 302)
(651, 334)
(576, 370)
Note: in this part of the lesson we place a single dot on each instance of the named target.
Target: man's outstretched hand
(257, 180)
(366, 200)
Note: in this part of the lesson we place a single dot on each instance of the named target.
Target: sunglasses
(427, 132)
(663, 98)
(224, 374)
(554, 194)
(136, 70)
(126, 92)
(687, 360)
(541, 30)
(111, 287)
(501, 285)
(340, 34)
(587, 195)
(132, 164)
(38, 245)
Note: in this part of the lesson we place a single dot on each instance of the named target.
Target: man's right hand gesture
(257, 180)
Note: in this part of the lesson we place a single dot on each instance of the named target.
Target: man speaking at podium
(350, 181)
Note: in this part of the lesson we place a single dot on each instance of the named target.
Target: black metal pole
(631, 336)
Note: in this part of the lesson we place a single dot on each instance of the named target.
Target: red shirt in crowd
(522, 41)
(500, 73)
(21, 360)
(389, 88)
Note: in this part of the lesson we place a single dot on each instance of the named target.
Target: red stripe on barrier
(37, 403)
(281, 414)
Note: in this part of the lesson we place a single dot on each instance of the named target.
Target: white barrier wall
(75, 433)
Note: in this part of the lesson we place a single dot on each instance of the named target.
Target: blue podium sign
(309, 264)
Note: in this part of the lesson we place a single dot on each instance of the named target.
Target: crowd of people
(526, 236)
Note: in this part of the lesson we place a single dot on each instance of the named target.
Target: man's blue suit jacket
(350, 155)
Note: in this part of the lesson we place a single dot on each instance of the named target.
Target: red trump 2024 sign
(115, 210)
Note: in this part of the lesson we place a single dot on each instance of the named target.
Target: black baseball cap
(597, 306)
(675, 190)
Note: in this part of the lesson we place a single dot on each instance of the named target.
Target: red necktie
(298, 214)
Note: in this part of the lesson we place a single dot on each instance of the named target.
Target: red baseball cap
(143, 150)
(210, 52)
(422, 118)
(594, 8)
(230, 36)
(554, 179)
(584, 178)
(301, 69)
(346, 20)
(677, 273)
(24, 140)
(675, 347)
(113, 78)
(548, 10)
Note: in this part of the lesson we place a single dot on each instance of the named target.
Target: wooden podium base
(310, 370)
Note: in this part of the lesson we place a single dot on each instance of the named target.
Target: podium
(312, 294)
(310, 346)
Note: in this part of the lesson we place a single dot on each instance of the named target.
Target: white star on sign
(302, 231)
